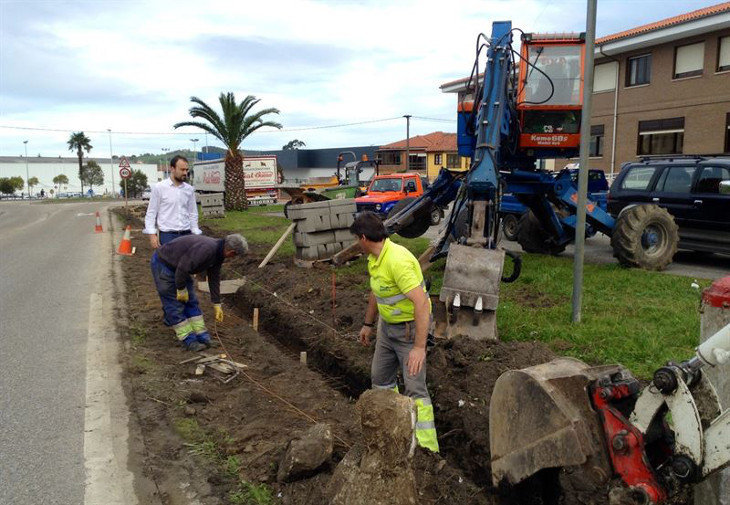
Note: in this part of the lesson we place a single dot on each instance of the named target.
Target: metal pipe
(585, 132)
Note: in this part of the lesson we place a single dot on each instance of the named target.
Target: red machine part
(718, 295)
(626, 443)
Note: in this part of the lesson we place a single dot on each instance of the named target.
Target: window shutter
(689, 58)
(604, 77)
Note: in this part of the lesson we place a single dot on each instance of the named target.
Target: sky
(341, 73)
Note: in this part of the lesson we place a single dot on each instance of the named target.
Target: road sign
(125, 173)
(124, 163)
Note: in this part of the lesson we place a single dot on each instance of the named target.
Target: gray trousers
(393, 343)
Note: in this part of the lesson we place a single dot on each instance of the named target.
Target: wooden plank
(277, 245)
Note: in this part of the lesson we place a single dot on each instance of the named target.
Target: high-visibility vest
(392, 274)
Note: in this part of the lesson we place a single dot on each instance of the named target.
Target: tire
(533, 238)
(510, 226)
(420, 224)
(436, 215)
(645, 236)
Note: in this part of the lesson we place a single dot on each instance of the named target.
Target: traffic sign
(125, 173)
(124, 163)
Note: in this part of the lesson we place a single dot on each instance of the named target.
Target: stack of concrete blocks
(322, 228)
(212, 205)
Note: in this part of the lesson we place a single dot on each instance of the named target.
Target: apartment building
(659, 89)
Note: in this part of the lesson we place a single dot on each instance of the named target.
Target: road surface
(62, 410)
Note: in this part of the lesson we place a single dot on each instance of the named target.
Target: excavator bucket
(541, 417)
(470, 291)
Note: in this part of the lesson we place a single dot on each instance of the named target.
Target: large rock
(306, 454)
(377, 471)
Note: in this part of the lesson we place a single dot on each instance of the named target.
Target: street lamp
(165, 151)
(195, 157)
(111, 163)
(27, 179)
(408, 140)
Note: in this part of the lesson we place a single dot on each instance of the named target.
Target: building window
(689, 60)
(723, 54)
(453, 161)
(595, 148)
(727, 132)
(604, 77)
(661, 136)
(638, 70)
(391, 158)
(437, 159)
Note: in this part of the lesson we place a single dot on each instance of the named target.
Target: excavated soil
(253, 418)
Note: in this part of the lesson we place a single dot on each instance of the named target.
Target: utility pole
(167, 168)
(585, 136)
(408, 141)
(111, 163)
(25, 143)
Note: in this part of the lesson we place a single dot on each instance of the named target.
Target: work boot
(204, 338)
(191, 344)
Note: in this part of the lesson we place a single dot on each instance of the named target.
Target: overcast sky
(132, 66)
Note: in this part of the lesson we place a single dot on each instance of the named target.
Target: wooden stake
(277, 245)
(256, 319)
(303, 357)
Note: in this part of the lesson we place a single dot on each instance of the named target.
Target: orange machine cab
(550, 113)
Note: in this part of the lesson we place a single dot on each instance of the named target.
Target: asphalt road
(598, 250)
(53, 269)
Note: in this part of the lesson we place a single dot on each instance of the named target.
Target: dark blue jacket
(194, 254)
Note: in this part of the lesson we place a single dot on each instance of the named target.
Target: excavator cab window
(553, 76)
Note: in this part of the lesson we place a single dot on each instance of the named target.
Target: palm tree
(79, 141)
(231, 129)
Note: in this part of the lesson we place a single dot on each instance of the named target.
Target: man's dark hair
(177, 158)
(369, 224)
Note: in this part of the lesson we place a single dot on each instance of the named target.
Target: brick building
(661, 88)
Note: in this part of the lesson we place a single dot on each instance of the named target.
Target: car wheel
(645, 236)
(435, 215)
(534, 238)
(510, 226)
(420, 224)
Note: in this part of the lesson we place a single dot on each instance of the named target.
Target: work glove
(182, 295)
(218, 312)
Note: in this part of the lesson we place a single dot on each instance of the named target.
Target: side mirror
(725, 187)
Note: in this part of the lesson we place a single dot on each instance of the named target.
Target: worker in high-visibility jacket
(398, 296)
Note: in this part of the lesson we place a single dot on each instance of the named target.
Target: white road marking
(82, 214)
(108, 482)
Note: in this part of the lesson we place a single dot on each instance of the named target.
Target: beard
(180, 178)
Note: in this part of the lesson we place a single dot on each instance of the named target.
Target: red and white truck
(259, 172)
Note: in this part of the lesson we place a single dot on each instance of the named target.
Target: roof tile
(665, 23)
(431, 142)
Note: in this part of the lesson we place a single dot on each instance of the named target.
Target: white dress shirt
(172, 208)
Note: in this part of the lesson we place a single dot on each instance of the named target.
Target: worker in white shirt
(172, 207)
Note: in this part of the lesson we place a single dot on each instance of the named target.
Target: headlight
(378, 206)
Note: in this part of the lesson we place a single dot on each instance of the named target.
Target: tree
(32, 182)
(136, 184)
(93, 175)
(58, 181)
(10, 185)
(294, 144)
(237, 123)
(79, 141)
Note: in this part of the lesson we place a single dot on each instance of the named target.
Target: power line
(283, 130)
(434, 119)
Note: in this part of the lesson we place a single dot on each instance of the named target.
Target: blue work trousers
(184, 317)
(169, 236)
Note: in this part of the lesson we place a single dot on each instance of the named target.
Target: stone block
(313, 238)
(314, 223)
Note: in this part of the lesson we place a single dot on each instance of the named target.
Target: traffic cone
(98, 228)
(125, 246)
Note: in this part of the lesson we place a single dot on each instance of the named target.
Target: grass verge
(638, 318)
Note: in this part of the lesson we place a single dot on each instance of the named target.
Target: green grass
(638, 318)
(252, 494)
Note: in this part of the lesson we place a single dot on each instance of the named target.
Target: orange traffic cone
(125, 246)
(98, 228)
